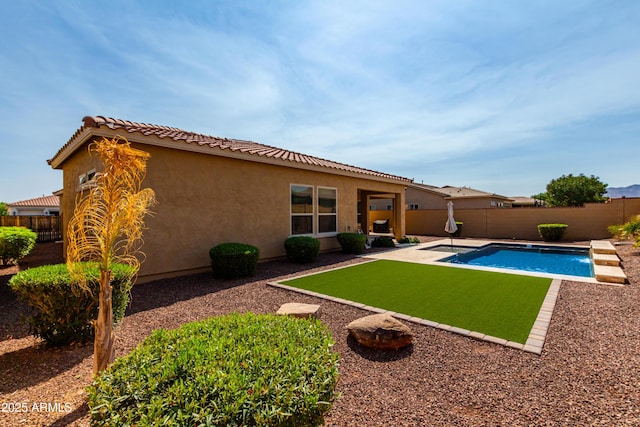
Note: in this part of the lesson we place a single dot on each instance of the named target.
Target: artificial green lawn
(497, 304)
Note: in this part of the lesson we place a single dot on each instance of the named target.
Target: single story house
(422, 196)
(45, 205)
(527, 202)
(212, 190)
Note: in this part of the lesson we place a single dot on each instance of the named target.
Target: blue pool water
(544, 259)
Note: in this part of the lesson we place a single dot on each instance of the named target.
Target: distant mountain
(630, 191)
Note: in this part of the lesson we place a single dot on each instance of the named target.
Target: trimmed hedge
(15, 243)
(551, 232)
(233, 260)
(302, 248)
(383, 242)
(352, 243)
(233, 370)
(63, 313)
(406, 239)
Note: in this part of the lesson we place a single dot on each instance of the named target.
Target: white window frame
(334, 214)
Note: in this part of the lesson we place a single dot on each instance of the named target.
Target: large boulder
(381, 331)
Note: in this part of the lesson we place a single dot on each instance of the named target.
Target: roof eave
(85, 134)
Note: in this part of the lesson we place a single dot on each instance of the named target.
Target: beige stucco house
(45, 205)
(212, 190)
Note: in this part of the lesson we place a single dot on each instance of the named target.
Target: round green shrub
(551, 232)
(233, 260)
(302, 248)
(411, 240)
(352, 243)
(383, 242)
(15, 243)
(63, 313)
(233, 370)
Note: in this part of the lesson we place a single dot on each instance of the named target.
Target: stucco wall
(205, 200)
(585, 223)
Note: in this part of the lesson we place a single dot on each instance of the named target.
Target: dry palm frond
(108, 222)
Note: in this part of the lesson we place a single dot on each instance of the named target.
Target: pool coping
(419, 254)
(534, 343)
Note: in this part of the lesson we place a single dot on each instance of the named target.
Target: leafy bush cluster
(302, 248)
(406, 239)
(233, 370)
(352, 243)
(574, 190)
(383, 242)
(233, 260)
(627, 231)
(551, 232)
(15, 243)
(63, 313)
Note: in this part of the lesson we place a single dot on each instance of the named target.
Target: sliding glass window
(301, 209)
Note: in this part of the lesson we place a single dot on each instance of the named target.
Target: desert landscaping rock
(588, 373)
(381, 331)
(298, 309)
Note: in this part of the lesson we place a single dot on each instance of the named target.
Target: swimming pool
(542, 259)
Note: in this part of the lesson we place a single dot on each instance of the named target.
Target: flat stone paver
(606, 259)
(609, 274)
(602, 247)
(297, 309)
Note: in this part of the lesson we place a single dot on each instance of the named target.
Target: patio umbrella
(450, 227)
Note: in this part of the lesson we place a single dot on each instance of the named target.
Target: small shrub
(302, 248)
(352, 243)
(233, 370)
(551, 232)
(15, 243)
(383, 242)
(233, 260)
(63, 313)
(406, 239)
(627, 231)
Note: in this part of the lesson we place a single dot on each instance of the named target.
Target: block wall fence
(585, 223)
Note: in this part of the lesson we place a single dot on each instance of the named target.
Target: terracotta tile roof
(44, 201)
(248, 148)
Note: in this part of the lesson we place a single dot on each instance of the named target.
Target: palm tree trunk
(103, 344)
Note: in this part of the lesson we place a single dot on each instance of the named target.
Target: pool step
(609, 274)
(606, 264)
(605, 259)
(602, 247)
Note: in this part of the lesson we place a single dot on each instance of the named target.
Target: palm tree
(107, 228)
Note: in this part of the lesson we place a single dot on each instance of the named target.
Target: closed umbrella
(450, 227)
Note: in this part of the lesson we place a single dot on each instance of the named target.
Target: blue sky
(502, 96)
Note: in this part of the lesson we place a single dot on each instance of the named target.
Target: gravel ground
(588, 373)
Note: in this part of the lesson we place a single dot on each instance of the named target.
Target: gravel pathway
(587, 374)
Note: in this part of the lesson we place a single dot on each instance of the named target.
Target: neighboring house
(213, 190)
(422, 196)
(527, 202)
(45, 205)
